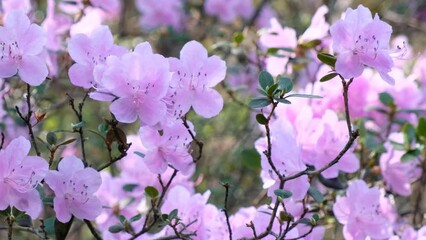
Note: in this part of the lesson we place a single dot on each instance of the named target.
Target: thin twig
(116, 159)
(27, 120)
(198, 142)
(2, 141)
(154, 209)
(225, 209)
(79, 113)
(93, 230)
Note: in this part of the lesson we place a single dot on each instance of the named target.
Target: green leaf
(78, 125)
(173, 214)
(250, 158)
(139, 154)
(303, 95)
(51, 138)
(315, 217)
(261, 119)
(265, 80)
(409, 134)
(24, 220)
(238, 37)
(263, 92)
(285, 84)
(130, 187)
(116, 228)
(122, 219)
(48, 201)
(272, 89)
(135, 218)
(282, 193)
(328, 77)
(49, 225)
(421, 128)
(410, 155)
(103, 128)
(67, 142)
(311, 44)
(283, 100)
(151, 192)
(306, 221)
(326, 58)
(274, 51)
(316, 195)
(62, 229)
(259, 102)
(386, 99)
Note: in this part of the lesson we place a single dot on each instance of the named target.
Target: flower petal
(208, 103)
(32, 70)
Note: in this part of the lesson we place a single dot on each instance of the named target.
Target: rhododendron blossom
(362, 40)
(140, 82)
(363, 212)
(194, 76)
(157, 13)
(283, 143)
(398, 175)
(19, 176)
(74, 186)
(228, 10)
(88, 52)
(21, 44)
(171, 147)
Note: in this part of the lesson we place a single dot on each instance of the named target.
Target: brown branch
(27, 120)
(92, 230)
(352, 137)
(198, 142)
(2, 141)
(225, 209)
(116, 159)
(153, 211)
(79, 113)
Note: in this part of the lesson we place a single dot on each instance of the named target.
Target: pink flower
(364, 212)
(157, 13)
(21, 44)
(140, 81)
(283, 144)
(172, 147)
(88, 52)
(228, 10)
(318, 28)
(332, 136)
(10, 5)
(278, 37)
(398, 175)
(192, 208)
(19, 176)
(195, 75)
(74, 187)
(362, 40)
(111, 6)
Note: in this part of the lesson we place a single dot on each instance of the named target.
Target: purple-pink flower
(194, 76)
(364, 212)
(19, 176)
(140, 81)
(361, 40)
(228, 10)
(88, 52)
(171, 147)
(74, 188)
(157, 13)
(21, 45)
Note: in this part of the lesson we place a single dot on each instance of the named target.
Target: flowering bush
(210, 120)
